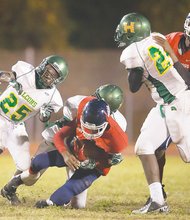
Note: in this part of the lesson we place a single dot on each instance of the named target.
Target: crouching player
(89, 145)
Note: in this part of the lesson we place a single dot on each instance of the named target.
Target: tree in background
(36, 23)
(86, 24)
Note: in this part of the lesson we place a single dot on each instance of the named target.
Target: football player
(112, 95)
(180, 43)
(148, 63)
(88, 145)
(30, 91)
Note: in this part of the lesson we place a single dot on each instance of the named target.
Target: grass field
(111, 197)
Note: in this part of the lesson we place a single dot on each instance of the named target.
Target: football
(91, 150)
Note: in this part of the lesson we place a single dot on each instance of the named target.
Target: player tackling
(30, 91)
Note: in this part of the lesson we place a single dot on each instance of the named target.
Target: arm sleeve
(135, 78)
(62, 134)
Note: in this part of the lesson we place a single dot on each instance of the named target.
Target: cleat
(43, 203)
(9, 190)
(152, 207)
(10, 195)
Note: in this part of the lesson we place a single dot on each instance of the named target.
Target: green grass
(110, 197)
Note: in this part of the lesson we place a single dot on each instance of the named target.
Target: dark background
(85, 24)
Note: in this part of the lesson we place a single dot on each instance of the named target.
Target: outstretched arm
(61, 145)
(185, 74)
(10, 77)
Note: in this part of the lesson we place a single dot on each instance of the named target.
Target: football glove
(115, 159)
(45, 113)
(88, 164)
(60, 123)
(16, 85)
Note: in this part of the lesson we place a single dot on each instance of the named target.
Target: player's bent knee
(36, 164)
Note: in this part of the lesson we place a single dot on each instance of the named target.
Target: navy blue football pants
(81, 179)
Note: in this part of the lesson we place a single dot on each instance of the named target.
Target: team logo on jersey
(173, 108)
(129, 27)
(29, 99)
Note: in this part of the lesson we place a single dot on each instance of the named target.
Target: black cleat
(152, 207)
(10, 195)
(9, 190)
(43, 203)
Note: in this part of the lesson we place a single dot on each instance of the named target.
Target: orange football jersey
(114, 140)
(174, 39)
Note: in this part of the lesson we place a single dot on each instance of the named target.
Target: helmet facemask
(49, 77)
(187, 27)
(133, 27)
(92, 131)
(51, 71)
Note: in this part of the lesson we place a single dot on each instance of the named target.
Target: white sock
(49, 202)
(156, 192)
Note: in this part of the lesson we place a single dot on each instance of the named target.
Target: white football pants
(15, 139)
